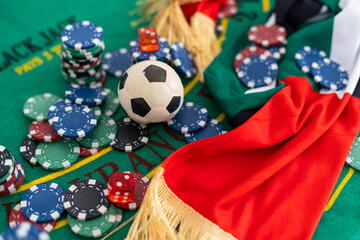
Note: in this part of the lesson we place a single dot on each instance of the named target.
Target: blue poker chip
(43, 202)
(73, 121)
(86, 94)
(183, 60)
(277, 52)
(257, 71)
(25, 231)
(56, 106)
(213, 128)
(162, 54)
(329, 74)
(117, 62)
(190, 118)
(305, 56)
(82, 35)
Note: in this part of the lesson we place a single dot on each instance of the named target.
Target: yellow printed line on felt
(60, 173)
(339, 189)
(266, 5)
(61, 223)
(224, 24)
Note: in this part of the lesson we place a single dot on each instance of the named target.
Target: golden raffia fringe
(164, 216)
(170, 23)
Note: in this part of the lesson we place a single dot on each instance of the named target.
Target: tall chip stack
(81, 54)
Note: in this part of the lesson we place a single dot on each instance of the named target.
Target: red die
(121, 187)
(148, 39)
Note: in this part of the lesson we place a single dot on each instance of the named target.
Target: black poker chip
(6, 162)
(28, 148)
(130, 135)
(86, 200)
(74, 74)
(79, 62)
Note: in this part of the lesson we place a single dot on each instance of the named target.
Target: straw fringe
(164, 216)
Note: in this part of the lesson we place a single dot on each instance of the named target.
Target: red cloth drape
(271, 177)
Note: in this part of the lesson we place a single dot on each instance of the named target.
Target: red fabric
(210, 8)
(271, 177)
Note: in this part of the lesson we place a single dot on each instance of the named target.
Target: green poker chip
(96, 109)
(57, 155)
(92, 51)
(111, 104)
(96, 227)
(353, 158)
(36, 108)
(10, 163)
(103, 134)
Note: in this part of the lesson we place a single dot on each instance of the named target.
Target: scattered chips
(17, 217)
(86, 94)
(191, 117)
(44, 132)
(329, 74)
(86, 200)
(213, 128)
(103, 134)
(57, 155)
(257, 71)
(25, 231)
(141, 185)
(130, 135)
(305, 56)
(267, 35)
(183, 60)
(96, 227)
(117, 62)
(73, 121)
(247, 52)
(36, 107)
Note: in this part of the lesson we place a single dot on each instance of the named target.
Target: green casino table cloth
(30, 65)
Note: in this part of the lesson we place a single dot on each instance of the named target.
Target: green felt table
(30, 65)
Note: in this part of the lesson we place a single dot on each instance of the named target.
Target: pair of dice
(121, 187)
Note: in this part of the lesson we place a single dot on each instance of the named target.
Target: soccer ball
(150, 92)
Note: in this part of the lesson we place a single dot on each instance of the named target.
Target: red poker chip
(229, 9)
(15, 186)
(16, 217)
(266, 36)
(67, 65)
(44, 132)
(249, 52)
(141, 185)
(87, 152)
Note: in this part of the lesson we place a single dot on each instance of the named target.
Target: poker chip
(36, 108)
(103, 134)
(28, 148)
(96, 227)
(43, 202)
(17, 183)
(266, 36)
(257, 71)
(228, 10)
(141, 185)
(277, 52)
(85, 80)
(81, 74)
(191, 117)
(82, 35)
(329, 74)
(11, 180)
(353, 159)
(87, 152)
(17, 217)
(96, 109)
(25, 231)
(213, 128)
(6, 164)
(86, 94)
(247, 52)
(130, 135)
(57, 155)
(182, 60)
(44, 132)
(73, 121)
(305, 56)
(53, 109)
(163, 54)
(86, 200)
(75, 65)
(111, 104)
(117, 62)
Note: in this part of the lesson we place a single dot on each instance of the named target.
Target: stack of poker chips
(12, 174)
(90, 213)
(82, 46)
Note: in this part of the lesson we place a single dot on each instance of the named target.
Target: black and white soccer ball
(151, 92)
